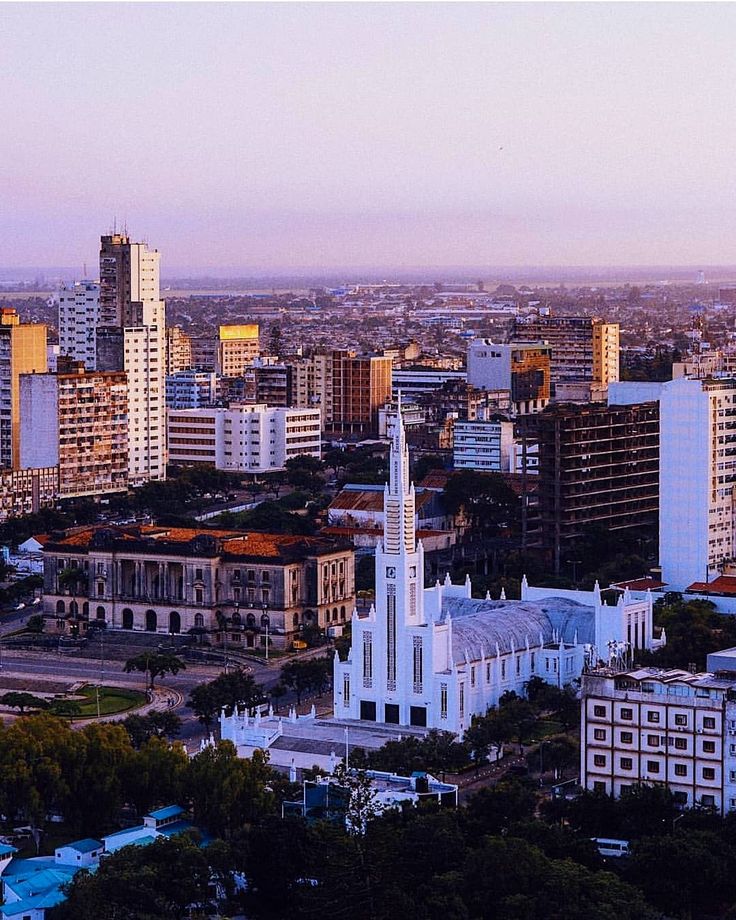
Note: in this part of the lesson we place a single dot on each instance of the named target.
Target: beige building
(22, 351)
(238, 587)
(670, 728)
(27, 491)
(76, 419)
(178, 351)
(237, 346)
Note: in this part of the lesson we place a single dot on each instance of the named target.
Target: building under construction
(598, 465)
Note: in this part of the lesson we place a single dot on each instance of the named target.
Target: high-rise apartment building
(598, 465)
(79, 317)
(697, 518)
(584, 348)
(191, 389)
(132, 338)
(22, 351)
(178, 351)
(251, 439)
(237, 346)
(361, 385)
(77, 420)
(522, 370)
(348, 388)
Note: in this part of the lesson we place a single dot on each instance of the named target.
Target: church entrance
(368, 710)
(418, 716)
(392, 713)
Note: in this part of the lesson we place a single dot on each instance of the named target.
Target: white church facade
(434, 657)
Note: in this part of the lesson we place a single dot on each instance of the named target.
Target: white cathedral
(434, 657)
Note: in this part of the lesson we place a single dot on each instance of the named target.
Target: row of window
(653, 716)
(654, 767)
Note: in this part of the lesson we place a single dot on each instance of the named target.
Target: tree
(19, 699)
(155, 724)
(305, 472)
(363, 805)
(305, 675)
(232, 690)
(486, 499)
(155, 664)
(65, 708)
(163, 879)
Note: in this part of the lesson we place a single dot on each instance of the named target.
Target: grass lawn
(112, 701)
(544, 727)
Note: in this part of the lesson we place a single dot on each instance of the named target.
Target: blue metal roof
(83, 846)
(170, 811)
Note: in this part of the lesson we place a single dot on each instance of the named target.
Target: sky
(289, 136)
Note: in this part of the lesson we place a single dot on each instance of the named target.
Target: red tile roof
(724, 584)
(640, 584)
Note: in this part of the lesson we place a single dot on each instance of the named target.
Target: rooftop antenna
(85, 271)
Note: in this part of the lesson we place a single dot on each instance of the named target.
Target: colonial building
(436, 656)
(238, 586)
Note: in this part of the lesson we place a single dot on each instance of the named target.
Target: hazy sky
(258, 136)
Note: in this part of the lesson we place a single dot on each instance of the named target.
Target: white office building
(434, 657)
(669, 727)
(249, 438)
(191, 389)
(484, 445)
(697, 473)
(79, 314)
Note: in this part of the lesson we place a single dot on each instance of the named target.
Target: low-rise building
(27, 491)
(666, 727)
(239, 587)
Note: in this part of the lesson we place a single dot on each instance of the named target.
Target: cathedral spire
(399, 533)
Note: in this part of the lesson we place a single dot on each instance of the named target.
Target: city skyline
(287, 137)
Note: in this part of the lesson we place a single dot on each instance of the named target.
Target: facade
(361, 385)
(485, 445)
(27, 491)
(22, 351)
(77, 420)
(173, 580)
(671, 728)
(697, 523)
(523, 370)
(132, 338)
(237, 346)
(273, 384)
(597, 464)
(190, 389)
(178, 351)
(79, 317)
(584, 348)
(413, 382)
(434, 657)
(252, 439)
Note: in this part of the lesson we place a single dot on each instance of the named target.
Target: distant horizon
(445, 274)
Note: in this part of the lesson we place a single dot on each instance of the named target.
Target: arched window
(308, 616)
(60, 608)
(100, 613)
(265, 620)
(151, 621)
(250, 620)
(296, 620)
(236, 619)
(199, 620)
(85, 610)
(174, 622)
(127, 618)
(73, 609)
(342, 613)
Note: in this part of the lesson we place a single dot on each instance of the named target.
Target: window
(680, 769)
(599, 787)
(627, 763)
(652, 766)
(680, 719)
(599, 711)
(627, 714)
(681, 744)
(709, 773)
(709, 722)
(198, 574)
(653, 740)
(472, 675)
(418, 669)
(709, 747)
(443, 701)
(708, 800)
(627, 738)
(367, 659)
(503, 670)
(652, 716)
(599, 734)
(680, 798)
(599, 760)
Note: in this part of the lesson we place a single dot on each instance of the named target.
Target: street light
(266, 622)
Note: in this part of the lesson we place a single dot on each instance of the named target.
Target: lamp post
(266, 622)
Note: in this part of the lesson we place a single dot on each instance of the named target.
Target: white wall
(39, 420)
